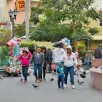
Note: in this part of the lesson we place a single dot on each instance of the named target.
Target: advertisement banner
(20, 5)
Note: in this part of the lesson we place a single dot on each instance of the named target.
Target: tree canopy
(63, 18)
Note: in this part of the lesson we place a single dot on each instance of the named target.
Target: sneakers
(73, 87)
(65, 85)
(25, 81)
(38, 81)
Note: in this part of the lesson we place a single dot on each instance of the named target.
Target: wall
(2, 10)
(21, 14)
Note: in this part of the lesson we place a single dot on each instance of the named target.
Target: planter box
(96, 62)
(96, 78)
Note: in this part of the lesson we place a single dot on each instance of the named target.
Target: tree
(93, 31)
(19, 30)
(76, 14)
(35, 12)
(5, 35)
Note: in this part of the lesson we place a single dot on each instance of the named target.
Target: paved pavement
(12, 90)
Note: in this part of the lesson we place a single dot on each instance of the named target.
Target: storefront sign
(20, 5)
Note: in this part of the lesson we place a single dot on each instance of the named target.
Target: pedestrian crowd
(59, 60)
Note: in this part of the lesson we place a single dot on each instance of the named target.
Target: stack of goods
(63, 43)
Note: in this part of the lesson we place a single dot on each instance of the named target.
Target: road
(12, 90)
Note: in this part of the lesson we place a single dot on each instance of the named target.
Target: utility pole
(27, 19)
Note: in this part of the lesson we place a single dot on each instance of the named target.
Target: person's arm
(43, 59)
(32, 59)
(80, 61)
(62, 58)
(19, 58)
(75, 60)
(53, 56)
(29, 55)
(58, 71)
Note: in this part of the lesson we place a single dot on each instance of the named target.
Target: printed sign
(20, 5)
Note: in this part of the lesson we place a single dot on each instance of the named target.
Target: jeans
(88, 65)
(71, 71)
(25, 72)
(61, 81)
(43, 71)
(49, 62)
(37, 71)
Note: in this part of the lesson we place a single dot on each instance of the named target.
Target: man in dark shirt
(49, 58)
(98, 52)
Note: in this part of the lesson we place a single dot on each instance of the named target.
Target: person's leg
(59, 80)
(39, 71)
(71, 70)
(50, 62)
(23, 70)
(66, 69)
(62, 81)
(88, 65)
(35, 71)
(26, 72)
(44, 70)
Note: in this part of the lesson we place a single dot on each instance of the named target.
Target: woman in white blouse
(69, 60)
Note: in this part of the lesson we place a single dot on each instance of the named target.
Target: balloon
(63, 41)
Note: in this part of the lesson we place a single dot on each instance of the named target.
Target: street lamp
(12, 15)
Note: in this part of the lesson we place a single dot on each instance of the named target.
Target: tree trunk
(74, 28)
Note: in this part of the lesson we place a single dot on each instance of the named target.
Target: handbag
(53, 66)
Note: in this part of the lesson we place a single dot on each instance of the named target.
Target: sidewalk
(12, 90)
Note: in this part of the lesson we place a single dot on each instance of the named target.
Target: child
(79, 71)
(60, 71)
(25, 58)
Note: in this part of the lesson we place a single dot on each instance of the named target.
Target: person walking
(44, 63)
(98, 52)
(69, 60)
(57, 53)
(38, 59)
(49, 59)
(88, 60)
(60, 71)
(25, 60)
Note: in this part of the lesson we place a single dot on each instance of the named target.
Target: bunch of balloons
(12, 44)
(66, 42)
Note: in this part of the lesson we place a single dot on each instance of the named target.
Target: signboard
(20, 5)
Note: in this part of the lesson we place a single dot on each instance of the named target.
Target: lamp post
(12, 15)
(27, 19)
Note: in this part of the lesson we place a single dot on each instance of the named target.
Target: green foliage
(63, 18)
(30, 45)
(81, 49)
(5, 35)
(93, 31)
(19, 30)
(51, 33)
(35, 12)
(4, 56)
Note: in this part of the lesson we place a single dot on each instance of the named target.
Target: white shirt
(57, 54)
(69, 60)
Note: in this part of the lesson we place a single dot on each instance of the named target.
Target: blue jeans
(25, 72)
(61, 81)
(88, 65)
(37, 67)
(71, 71)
